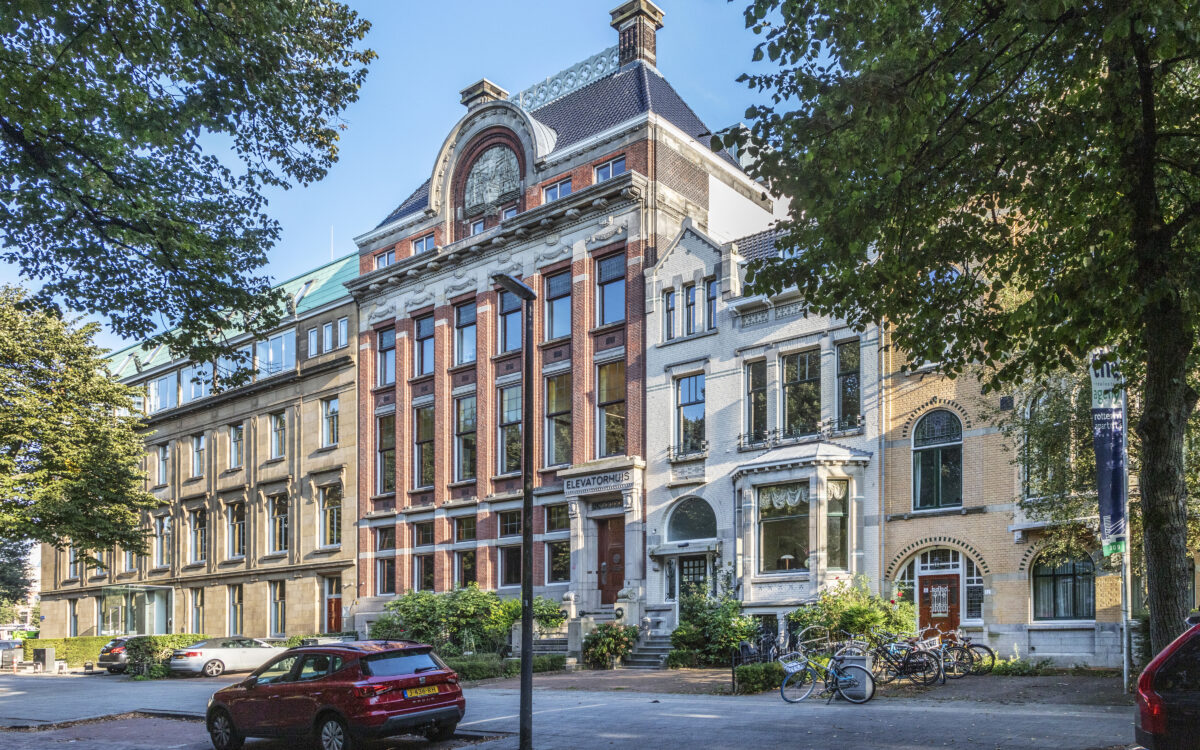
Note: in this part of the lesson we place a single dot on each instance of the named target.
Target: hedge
(485, 666)
(683, 658)
(75, 650)
(149, 650)
(757, 678)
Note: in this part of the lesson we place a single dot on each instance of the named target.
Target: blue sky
(429, 51)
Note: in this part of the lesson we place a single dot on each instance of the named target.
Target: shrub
(683, 658)
(74, 650)
(850, 606)
(296, 640)
(152, 650)
(485, 666)
(756, 678)
(549, 662)
(1018, 667)
(608, 641)
(711, 627)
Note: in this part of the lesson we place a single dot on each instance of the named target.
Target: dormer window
(386, 258)
(560, 189)
(477, 227)
(610, 169)
(423, 244)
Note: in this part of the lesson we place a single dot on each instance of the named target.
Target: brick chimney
(636, 23)
(482, 92)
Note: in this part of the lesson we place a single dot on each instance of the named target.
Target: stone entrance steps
(549, 646)
(649, 653)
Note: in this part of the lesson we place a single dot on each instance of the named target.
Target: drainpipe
(881, 421)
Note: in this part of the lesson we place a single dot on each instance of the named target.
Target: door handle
(603, 573)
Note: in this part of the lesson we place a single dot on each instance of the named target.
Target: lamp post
(527, 296)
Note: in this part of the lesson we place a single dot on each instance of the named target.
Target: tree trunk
(1167, 402)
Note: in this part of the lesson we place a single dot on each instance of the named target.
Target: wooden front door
(333, 605)
(939, 602)
(610, 569)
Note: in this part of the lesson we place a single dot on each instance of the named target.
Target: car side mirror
(250, 683)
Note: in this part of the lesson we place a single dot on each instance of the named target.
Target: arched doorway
(946, 585)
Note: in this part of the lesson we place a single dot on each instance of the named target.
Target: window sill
(554, 468)
(233, 470)
(159, 569)
(461, 483)
(688, 337)
(274, 460)
(383, 388)
(238, 560)
(462, 367)
(274, 556)
(418, 378)
(383, 496)
(195, 565)
(506, 475)
(192, 480)
(1062, 625)
(779, 577)
(427, 488)
(607, 328)
(506, 355)
(934, 512)
(551, 343)
(683, 458)
(327, 550)
(327, 448)
(157, 487)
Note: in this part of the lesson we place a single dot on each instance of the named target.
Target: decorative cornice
(569, 80)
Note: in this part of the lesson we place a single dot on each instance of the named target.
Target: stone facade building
(762, 470)
(955, 537)
(254, 533)
(573, 186)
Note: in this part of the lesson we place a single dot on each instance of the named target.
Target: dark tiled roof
(633, 90)
(757, 246)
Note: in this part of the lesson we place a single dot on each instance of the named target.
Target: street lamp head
(515, 286)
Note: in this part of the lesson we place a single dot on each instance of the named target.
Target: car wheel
(222, 732)
(214, 668)
(441, 732)
(332, 734)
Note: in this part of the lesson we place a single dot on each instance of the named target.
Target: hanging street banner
(1108, 437)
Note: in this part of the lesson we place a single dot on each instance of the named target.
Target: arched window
(1066, 591)
(693, 518)
(937, 461)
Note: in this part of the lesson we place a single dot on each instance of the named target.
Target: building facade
(254, 532)
(572, 186)
(956, 541)
(762, 470)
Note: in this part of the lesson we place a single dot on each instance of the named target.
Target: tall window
(974, 590)
(73, 567)
(235, 609)
(669, 314)
(162, 541)
(197, 610)
(278, 435)
(557, 518)
(510, 322)
(343, 332)
(558, 419)
(331, 516)
(385, 461)
(130, 561)
(385, 576)
(610, 169)
(464, 333)
(689, 393)
(385, 538)
(277, 354)
(327, 337)
(196, 382)
(510, 566)
(73, 616)
(237, 530)
(423, 572)
(802, 393)
(278, 608)
(199, 535)
(558, 562)
(164, 392)
(849, 399)
(509, 440)
(783, 527)
(937, 461)
(756, 401)
(711, 291)
(329, 421)
(837, 530)
(560, 189)
(163, 454)
(423, 244)
(237, 436)
(611, 408)
(464, 563)
(198, 453)
(558, 305)
(423, 439)
(1066, 591)
(689, 309)
(313, 349)
(424, 348)
(423, 534)
(386, 345)
(464, 438)
(464, 529)
(279, 523)
(610, 289)
(509, 523)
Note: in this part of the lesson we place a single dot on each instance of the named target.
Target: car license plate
(418, 692)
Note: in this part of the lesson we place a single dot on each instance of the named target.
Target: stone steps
(649, 653)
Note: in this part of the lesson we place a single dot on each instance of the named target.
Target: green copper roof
(320, 286)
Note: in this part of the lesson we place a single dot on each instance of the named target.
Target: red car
(1168, 694)
(341, 694)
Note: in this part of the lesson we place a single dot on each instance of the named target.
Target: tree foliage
(14, 569)
(136, 139)
(70, 463)
(1008, 185)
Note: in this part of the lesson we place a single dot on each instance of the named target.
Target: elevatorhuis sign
(590, 484)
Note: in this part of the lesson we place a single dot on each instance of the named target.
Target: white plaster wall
(732, 215)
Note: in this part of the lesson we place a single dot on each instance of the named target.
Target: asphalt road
(587, 719)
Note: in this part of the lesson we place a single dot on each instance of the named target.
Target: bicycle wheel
(798, 685)
(985, 658)
(957, 662)
(883, 669)
(851, 649)
(922, 668)
(855, 684)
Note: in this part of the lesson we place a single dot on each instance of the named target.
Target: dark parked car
(1168, 694)
(341, 694)
(113, 656)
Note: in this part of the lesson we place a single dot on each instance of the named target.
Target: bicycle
(957, 660)
(983, 657)
(847, 681)
(894, 657)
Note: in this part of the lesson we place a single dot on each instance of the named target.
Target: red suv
(1168, 694)
(341, 693)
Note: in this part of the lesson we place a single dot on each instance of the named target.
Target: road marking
(543, 711)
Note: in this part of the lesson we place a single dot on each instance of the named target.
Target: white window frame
(380, 562)
(199, 540)
(313, 349)
(385, 259)
(327, 337)
(273, 530)
(236, 531)
(237, 608)
(343, 332)
(237, 447)
(423, 244)
(607, 169)
(325, 527)
(278, 437)
(277, 590)
(197, 609)
(199, 454)
(476, 227)
(280, 349)
(329, 422)
(164, 456)
(554, 192)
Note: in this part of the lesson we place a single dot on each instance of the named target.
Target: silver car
(216, 656)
